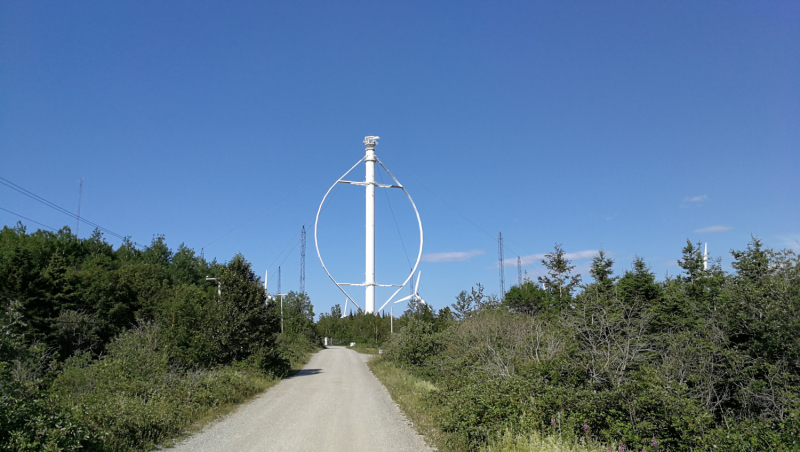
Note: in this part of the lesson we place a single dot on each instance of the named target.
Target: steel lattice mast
(303, 260)
(502, 270)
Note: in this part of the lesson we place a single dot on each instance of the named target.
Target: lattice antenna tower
(519, 271)
(303, 260)
(502, 270)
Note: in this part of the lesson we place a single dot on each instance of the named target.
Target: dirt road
(333, 404)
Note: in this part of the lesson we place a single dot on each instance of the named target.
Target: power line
(262, 213)
(26, 218)
(52, 205)
(457, 211)
(80, 198)
(292, 240)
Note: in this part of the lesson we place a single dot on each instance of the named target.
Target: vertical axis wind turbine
(369, 283)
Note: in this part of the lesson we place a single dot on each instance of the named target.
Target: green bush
(415, 345)
(702, 361)
(134, 399)
(29, 420)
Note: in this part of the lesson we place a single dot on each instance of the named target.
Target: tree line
(121, 349)
(704, 360)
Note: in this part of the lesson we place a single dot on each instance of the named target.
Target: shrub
(29, 421)
(133, 398)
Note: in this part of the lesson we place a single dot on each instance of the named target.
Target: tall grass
(535, 442)
(411, 393)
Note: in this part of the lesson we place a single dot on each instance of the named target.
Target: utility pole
(502, 270)
(303, 260)
(519, 271)
(279, 294)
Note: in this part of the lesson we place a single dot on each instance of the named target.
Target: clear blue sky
(630, 126)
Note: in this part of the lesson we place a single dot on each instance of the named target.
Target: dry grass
(360, 348)
(537, 443)
(409, 391)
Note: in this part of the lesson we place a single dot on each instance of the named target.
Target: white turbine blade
(420, 299)
(344, 313)
(416, 287)
(404, 299)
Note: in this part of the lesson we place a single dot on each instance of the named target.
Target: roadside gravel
(333, 404)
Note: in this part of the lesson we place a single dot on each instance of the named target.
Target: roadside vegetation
(123, 349)
(704, 360)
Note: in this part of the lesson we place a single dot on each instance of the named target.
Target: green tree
(601, 271)
(559, 281)
(528, 298)
(639, 285)
(468, 303)
(239, 323)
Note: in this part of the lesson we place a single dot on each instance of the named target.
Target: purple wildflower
(585, 427)
(621, 448)
(654, 442)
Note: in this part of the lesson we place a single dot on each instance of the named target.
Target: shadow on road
(306, 372)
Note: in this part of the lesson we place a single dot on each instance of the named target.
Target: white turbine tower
(369, 268)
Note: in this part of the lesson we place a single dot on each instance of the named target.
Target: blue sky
(630, 126)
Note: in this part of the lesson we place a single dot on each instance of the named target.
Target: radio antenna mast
(502, 270)
(303, 260)
(519, 271)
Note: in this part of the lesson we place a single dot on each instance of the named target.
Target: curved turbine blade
(416, 287)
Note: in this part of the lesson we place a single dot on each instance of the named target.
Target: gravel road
(333, 404)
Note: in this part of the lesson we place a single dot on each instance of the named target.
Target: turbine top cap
(371, 140)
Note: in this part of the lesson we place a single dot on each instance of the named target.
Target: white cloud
(453, 256)
(699, 198)
(713, 229)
